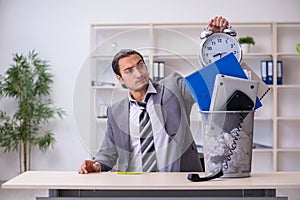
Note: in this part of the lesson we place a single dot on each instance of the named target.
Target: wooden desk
(172, 185)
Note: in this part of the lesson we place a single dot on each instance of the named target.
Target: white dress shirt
(135, 110)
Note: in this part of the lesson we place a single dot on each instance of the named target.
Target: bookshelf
(177, 45)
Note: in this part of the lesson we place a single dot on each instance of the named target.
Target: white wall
(59, 31)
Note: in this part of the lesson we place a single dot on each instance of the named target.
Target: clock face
(217, 46)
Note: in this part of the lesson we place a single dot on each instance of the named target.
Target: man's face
(134, 74)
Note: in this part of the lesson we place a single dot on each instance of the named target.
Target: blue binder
(201, 82)
(270, 72)
(264, 70)
(279, 72)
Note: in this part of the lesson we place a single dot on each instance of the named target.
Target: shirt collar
(150, 90)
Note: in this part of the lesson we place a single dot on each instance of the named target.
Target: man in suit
(168, 105)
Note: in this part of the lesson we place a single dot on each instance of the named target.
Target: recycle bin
(227, 142)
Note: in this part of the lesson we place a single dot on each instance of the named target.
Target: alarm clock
(216, 45)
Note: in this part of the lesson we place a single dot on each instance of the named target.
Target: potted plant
(27, 82)
(246, 43)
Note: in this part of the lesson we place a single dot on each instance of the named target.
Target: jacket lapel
(121, 117)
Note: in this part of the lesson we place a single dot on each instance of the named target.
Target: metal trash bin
(227, 142)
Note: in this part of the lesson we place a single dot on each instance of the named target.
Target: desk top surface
(147, 181)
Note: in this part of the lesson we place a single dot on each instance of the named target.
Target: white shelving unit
(276, 123)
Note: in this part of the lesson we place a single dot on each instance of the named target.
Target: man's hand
(217, 24)
(89, 166)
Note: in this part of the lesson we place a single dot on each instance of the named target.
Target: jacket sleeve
(177, 79)
(107, 154)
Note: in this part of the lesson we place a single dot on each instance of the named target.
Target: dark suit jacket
(174, 144)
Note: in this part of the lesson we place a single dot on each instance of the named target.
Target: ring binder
(263, 70)
(279, 72)
(270, 72)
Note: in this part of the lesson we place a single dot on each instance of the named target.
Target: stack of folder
(201, 82)
(267, 71)
(158, 70)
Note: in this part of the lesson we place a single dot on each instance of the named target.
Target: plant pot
(246, 48)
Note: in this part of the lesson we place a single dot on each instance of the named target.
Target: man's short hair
(122, 54)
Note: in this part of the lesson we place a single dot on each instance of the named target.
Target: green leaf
(45, 141)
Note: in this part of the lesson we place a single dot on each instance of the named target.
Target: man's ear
(120, 79)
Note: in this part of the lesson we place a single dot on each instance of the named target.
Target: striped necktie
(147, 142)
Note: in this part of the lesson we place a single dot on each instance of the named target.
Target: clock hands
(219, 54)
